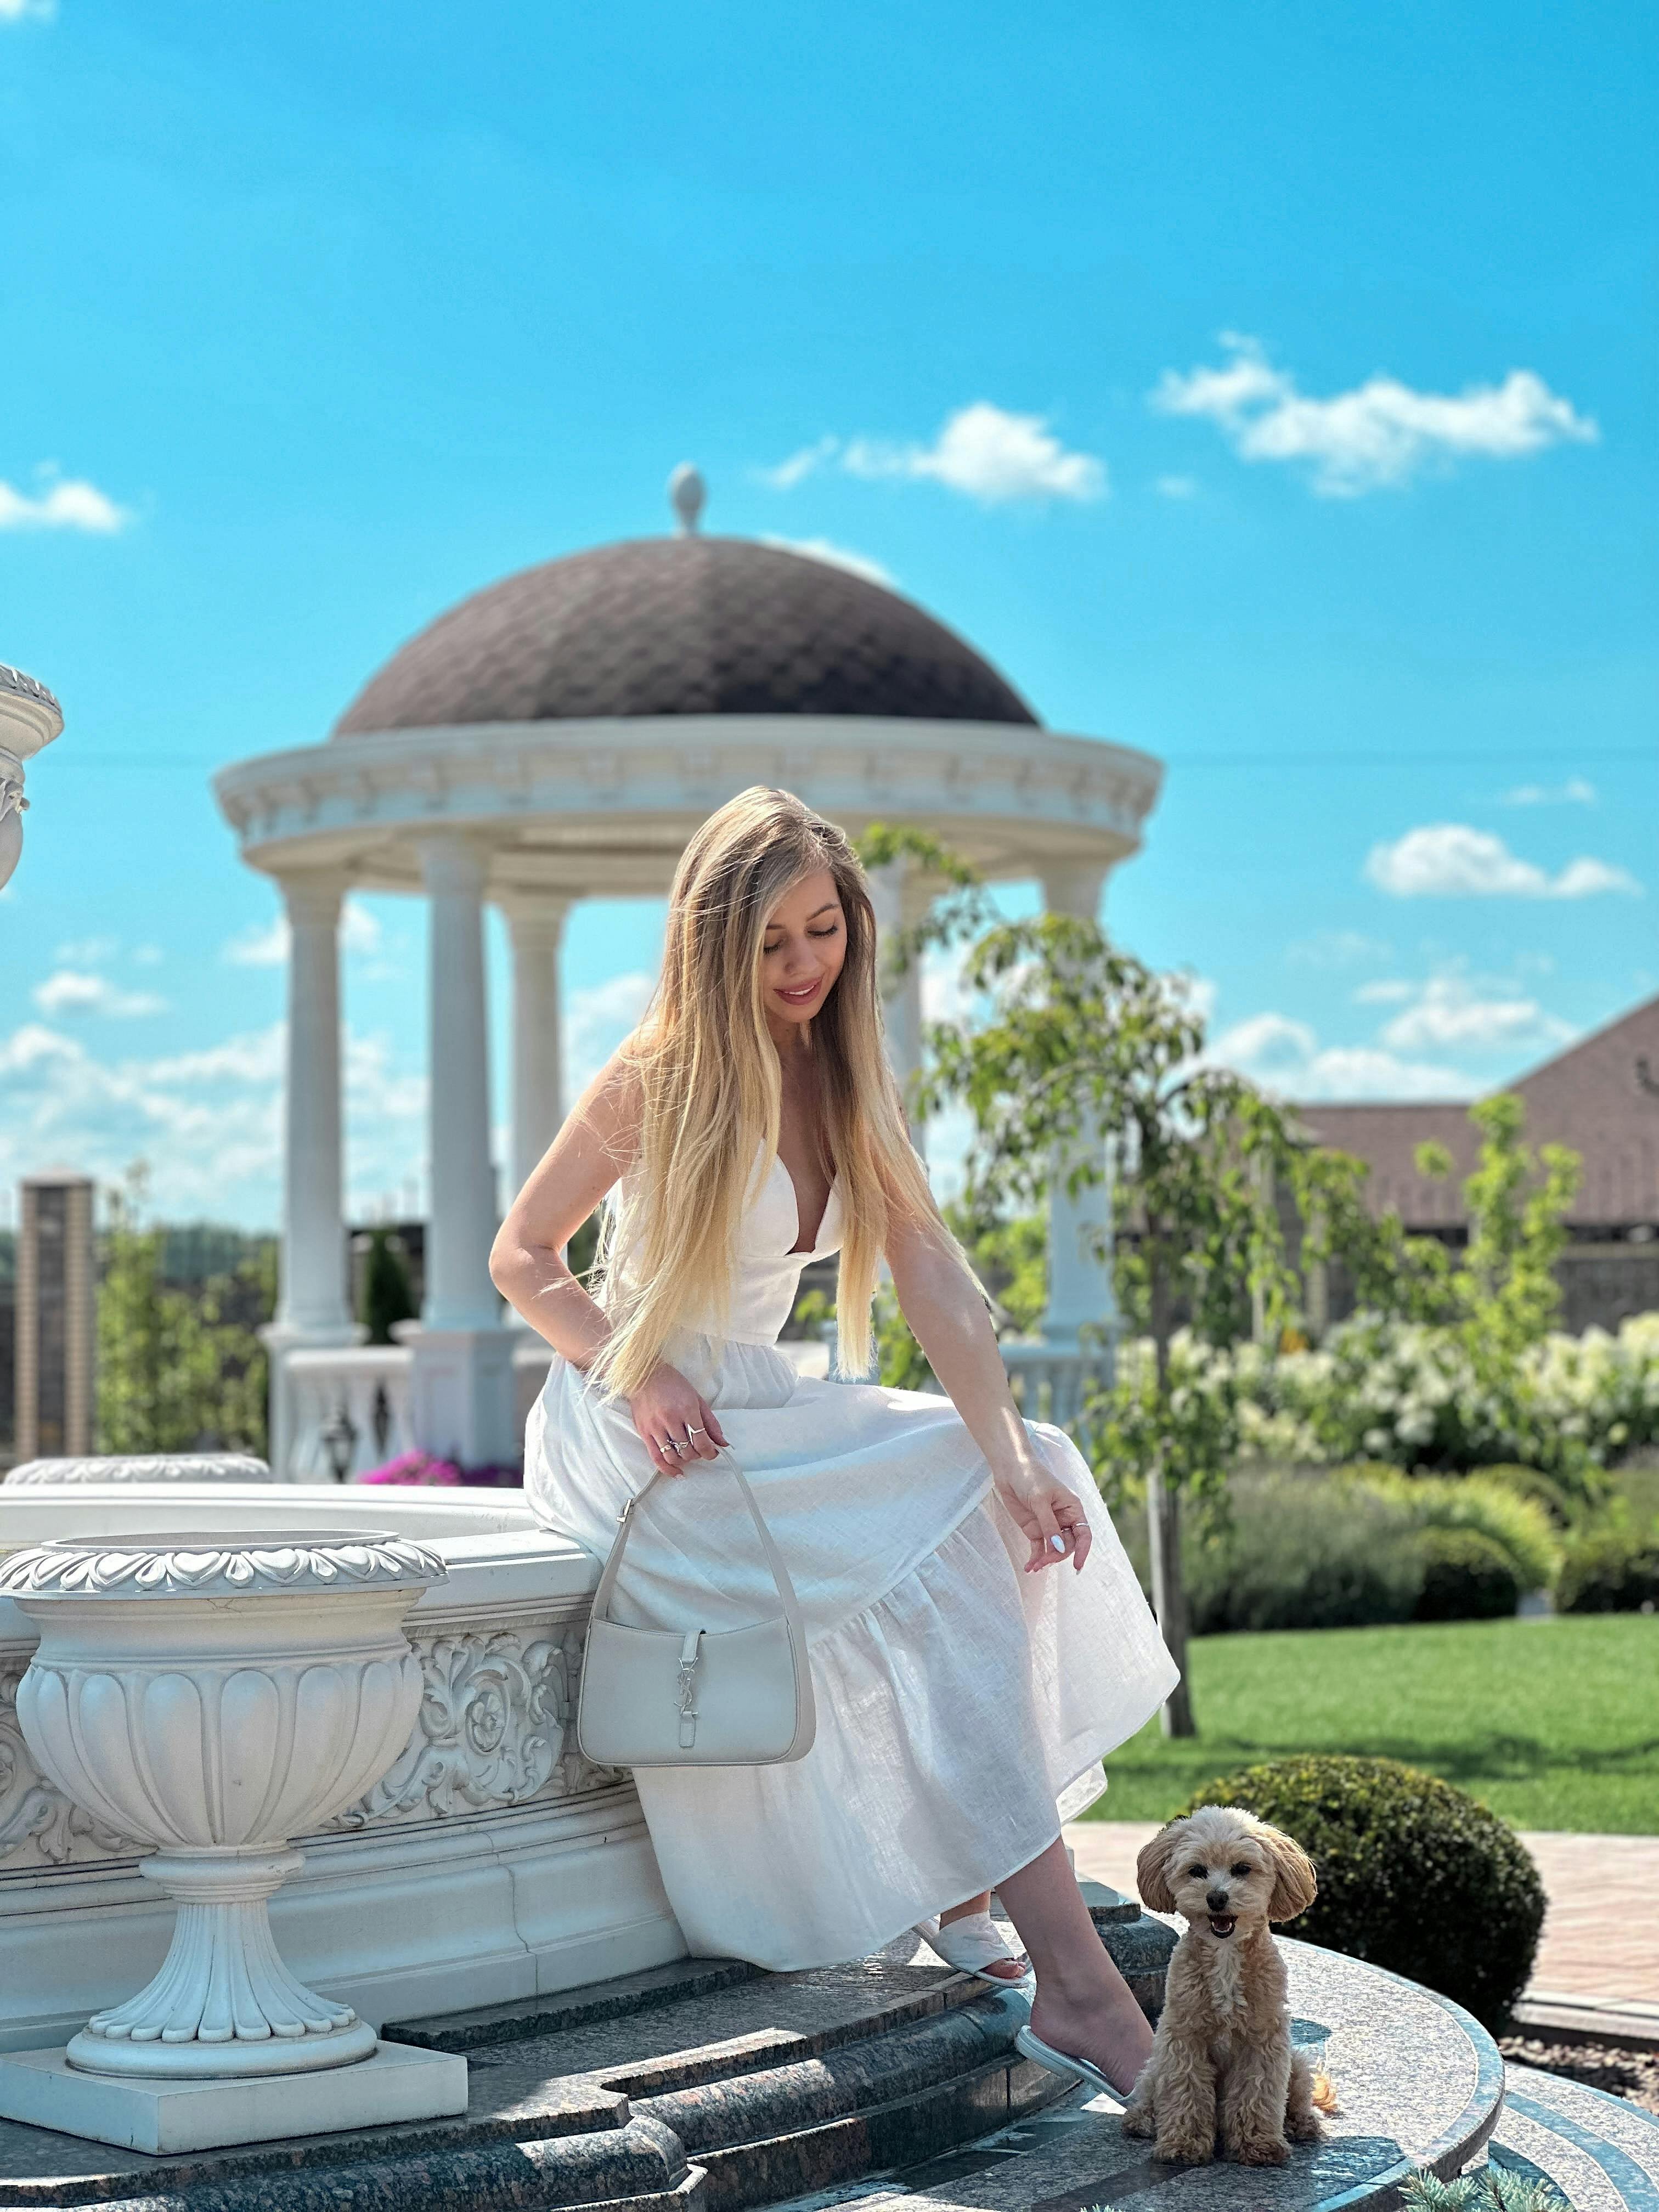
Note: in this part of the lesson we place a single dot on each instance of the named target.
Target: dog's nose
(1217, 1899)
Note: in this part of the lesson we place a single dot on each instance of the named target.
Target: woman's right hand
(675, 1425)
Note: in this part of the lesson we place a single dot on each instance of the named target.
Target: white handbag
(696, 1697)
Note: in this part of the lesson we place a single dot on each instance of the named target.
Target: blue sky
(1269, 388)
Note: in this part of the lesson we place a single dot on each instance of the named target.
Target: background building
(1601, 1097)
(54, 1362)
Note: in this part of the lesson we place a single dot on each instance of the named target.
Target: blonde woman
(978, 1640)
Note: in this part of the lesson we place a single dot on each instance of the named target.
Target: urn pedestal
(212, 1696)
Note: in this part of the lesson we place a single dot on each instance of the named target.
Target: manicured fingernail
(1057, 1542)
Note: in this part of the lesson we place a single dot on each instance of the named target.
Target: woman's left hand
(1050, 1514)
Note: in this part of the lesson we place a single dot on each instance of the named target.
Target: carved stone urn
(213, 1696)
(29, 718)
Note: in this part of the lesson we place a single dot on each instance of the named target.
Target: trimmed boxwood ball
(1413, 1875)
(1466, 1577)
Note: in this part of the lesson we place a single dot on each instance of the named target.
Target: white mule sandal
(971, 1944)
(1059, 2062)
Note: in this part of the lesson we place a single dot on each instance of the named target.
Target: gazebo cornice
(606, 804)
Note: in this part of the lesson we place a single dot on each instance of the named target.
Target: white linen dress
(964, 1707)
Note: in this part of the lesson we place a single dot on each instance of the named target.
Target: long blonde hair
(710, 1084)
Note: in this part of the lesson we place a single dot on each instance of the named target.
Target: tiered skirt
(964, 1707)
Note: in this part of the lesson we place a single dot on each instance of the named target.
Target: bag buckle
(691, 1652)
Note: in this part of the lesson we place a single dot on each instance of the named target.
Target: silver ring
(681, 1443)
(692, 1429)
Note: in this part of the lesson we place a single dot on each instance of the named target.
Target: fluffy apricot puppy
(1223, 2071)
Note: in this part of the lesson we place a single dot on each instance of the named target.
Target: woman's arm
(526, 1263)
(599, 1139)
(946, 1313)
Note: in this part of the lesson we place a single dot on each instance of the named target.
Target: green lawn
(1553, 1723)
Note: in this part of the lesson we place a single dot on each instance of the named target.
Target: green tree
(1080, 1039)
(388, 1295)
(1517, 1201)
(176, 1372)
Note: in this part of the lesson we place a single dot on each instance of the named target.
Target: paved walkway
(1601, 1935)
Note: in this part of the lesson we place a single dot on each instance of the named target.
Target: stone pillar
(899, 896)
(462, 1395)
(311, 1308)
(535, 921)
(1079, 1284)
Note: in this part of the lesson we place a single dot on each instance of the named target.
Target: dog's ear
(1152, 1869)
(1295, 1883)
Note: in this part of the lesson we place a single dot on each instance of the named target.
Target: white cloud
(73, 991)
(14, 11)
(1387, 991)
(1449, 1012)
(66, 503)
(1340, 948)
(1450, 859)
(1178, 487)
(837, 556)
(985, 452)
(1575, 791)
(87, 952)
(798, 467)
(265, 945)
(1381, 433)
(1285, 1057)
(208, 1120)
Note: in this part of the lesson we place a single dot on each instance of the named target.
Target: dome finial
(686, 493)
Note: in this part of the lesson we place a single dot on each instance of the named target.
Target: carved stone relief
(496, 1727)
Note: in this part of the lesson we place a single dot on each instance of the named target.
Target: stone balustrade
(346, 1409)
(353, 1402)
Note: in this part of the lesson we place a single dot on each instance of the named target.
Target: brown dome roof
(682, 626)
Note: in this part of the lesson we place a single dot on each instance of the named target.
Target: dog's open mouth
(1223, 1923)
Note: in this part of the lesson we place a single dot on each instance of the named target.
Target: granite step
(1600, 2152)
(704, 2085)
(1421, 2084)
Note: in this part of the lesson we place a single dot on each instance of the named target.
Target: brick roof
(682, 626)
(1590, 1097)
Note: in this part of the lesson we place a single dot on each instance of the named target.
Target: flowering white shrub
(1420, 1395)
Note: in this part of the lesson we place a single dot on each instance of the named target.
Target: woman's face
(804, 945)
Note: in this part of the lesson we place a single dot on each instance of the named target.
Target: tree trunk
(1163, 1532)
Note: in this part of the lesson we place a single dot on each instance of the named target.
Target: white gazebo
(558, 737)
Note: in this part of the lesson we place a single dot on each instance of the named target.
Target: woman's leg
(1083, 2005)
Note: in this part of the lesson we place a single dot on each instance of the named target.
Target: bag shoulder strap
(775, 1560)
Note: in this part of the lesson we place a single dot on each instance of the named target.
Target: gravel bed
(1621, 2071)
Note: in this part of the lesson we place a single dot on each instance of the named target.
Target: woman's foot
(967, 1938)
(1111, 2033)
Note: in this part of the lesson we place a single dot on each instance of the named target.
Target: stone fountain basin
(492, 1863)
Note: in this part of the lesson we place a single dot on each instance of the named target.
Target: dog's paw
(1304, 2127)
(1137, 2121)
(1190, 2149)
(1260, 2150)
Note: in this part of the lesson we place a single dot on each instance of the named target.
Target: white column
(312, 1292)
(535, 921)
(1079, 1283)
(462, 1385)
(899, 896)
(459, 1291)
(312, 1307)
